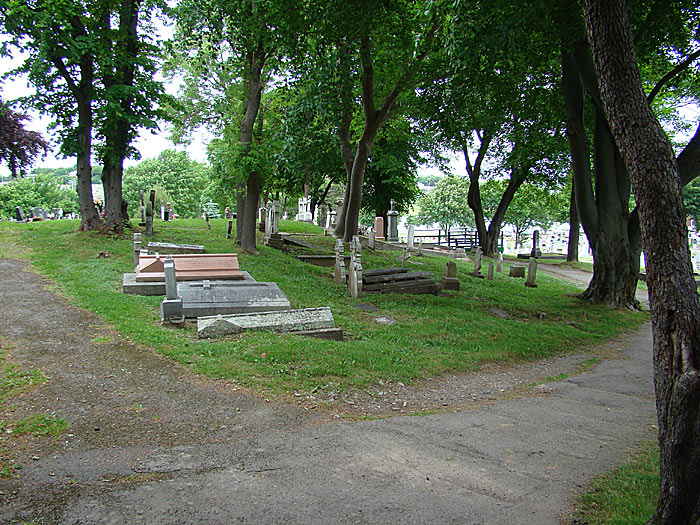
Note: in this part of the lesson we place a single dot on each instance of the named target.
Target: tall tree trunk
(490, 245)
(112, 174)
(352, 210)
(673, 297)
(89, 217)
(250, 208)
(574, 225)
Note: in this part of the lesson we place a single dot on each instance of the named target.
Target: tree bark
(574, 225)
(673, 298)
(490, 245)
(89, 217)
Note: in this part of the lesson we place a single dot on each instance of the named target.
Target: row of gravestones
(39, 213)
(516, 270)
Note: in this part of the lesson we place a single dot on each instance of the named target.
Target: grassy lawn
(434, 334)
(626, 495)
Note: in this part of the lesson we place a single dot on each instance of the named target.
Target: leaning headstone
(536, 252)
(339, 273)
(489, 275)
(477, 263)
(287, 321)
(499, 263)
(450, 281)
(19, 214)
(371, 238)
(392, 217)
(230, 229)
(149, 218)
(516, 270)
(171, 306)
(410, 238)
(137, 248)
(379, 228)
(531, 273)
(355, 271)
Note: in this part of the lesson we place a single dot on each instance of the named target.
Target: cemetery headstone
(262, 217)
(411, 236)
(477, 263)
(304, 214)
(531, 273)
(339, 273)
(489, 275)
(171, 306)
(450, 281)
(168, 212)
(517, 270)
(19, 214)
(202, 298)
(143, 208)
(190, 267)
(272, 235)
(499, 263)
(379, 228)
(460, 253)
(371, 238)
(355, 271)
(137, 247)
(536, 252)
(149, 218)
(230, 229)
(162, 212)
(392, 217)
(206, 219)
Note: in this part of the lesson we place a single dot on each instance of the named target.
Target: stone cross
(489, 275)
(137, 248)
(355, 274)
(499, 263)
(339, 274)
(531, 273)
(411, 236)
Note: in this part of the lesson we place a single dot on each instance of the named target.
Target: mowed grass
(433, 334)
(625, 496)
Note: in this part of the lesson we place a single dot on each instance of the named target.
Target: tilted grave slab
(207, 298)
(174, 248)
(133, 287)
(288, 321)
(190, 267)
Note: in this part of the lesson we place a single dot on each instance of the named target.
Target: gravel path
(149, 442)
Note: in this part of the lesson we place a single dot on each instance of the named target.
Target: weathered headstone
(489, 275)
(137, 247)
(203, 298)
(304, 214)
(339, 273)
(450, 281)
(410, 238)
(404, 256)
(536, 252)
(262, 218)
(460, 253)
(392, 217)
(174, 248)
(516, 270)
(171, 306)
(379, 228)
(531, 273)
(420, 246)
(230, 229)
(287, 321)
(143, 208)
(499, 263)
(206, 219)
(355, 270)
(477, 263)
(19, 214)
(272, 235)
(149, 218)
(371, 238)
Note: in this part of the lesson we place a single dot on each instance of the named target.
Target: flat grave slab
(173, 248)
(288, 321)
(207, 298)
(190, 267)
(131, 286)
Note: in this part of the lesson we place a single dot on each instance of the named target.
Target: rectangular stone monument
(499, 263)
(273, 238)
(410, 238)
(206, 298)
(517, 270)
(171, 306)
(151, 288)
(489, 275)
(371, 239)
(174, 248)
(531, 273)
(304, 214)
(477, 263)
(379, 228)
(288, 321)
(536, 252)
(137, 248)
(190, 267)
(450, 281)
(392, 217)
(339, 272)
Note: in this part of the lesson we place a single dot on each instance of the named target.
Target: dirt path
(149, 442)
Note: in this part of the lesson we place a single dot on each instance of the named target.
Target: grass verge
(627, 495)
(433, 334)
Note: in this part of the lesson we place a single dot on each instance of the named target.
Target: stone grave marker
(137, 248)
(410, 238)
(489, 275)
(272, 234)
(450, 281)
(404, 256)
(206, 298)
(174, 248)
(355, 271)
(536, 252)
(339, 273)
(379, 228)
(499, 263)
(149, 218)
(143, 208)
(287, 321)
(171, 306)
(19, 214)
(190, 267)
(516, 270)
(262, 217)
(392, 217)
(230, 229)
(531, 273)
(371, 238)
(477, 263)
(461, 253)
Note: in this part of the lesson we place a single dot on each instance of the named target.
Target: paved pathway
(516, 461)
